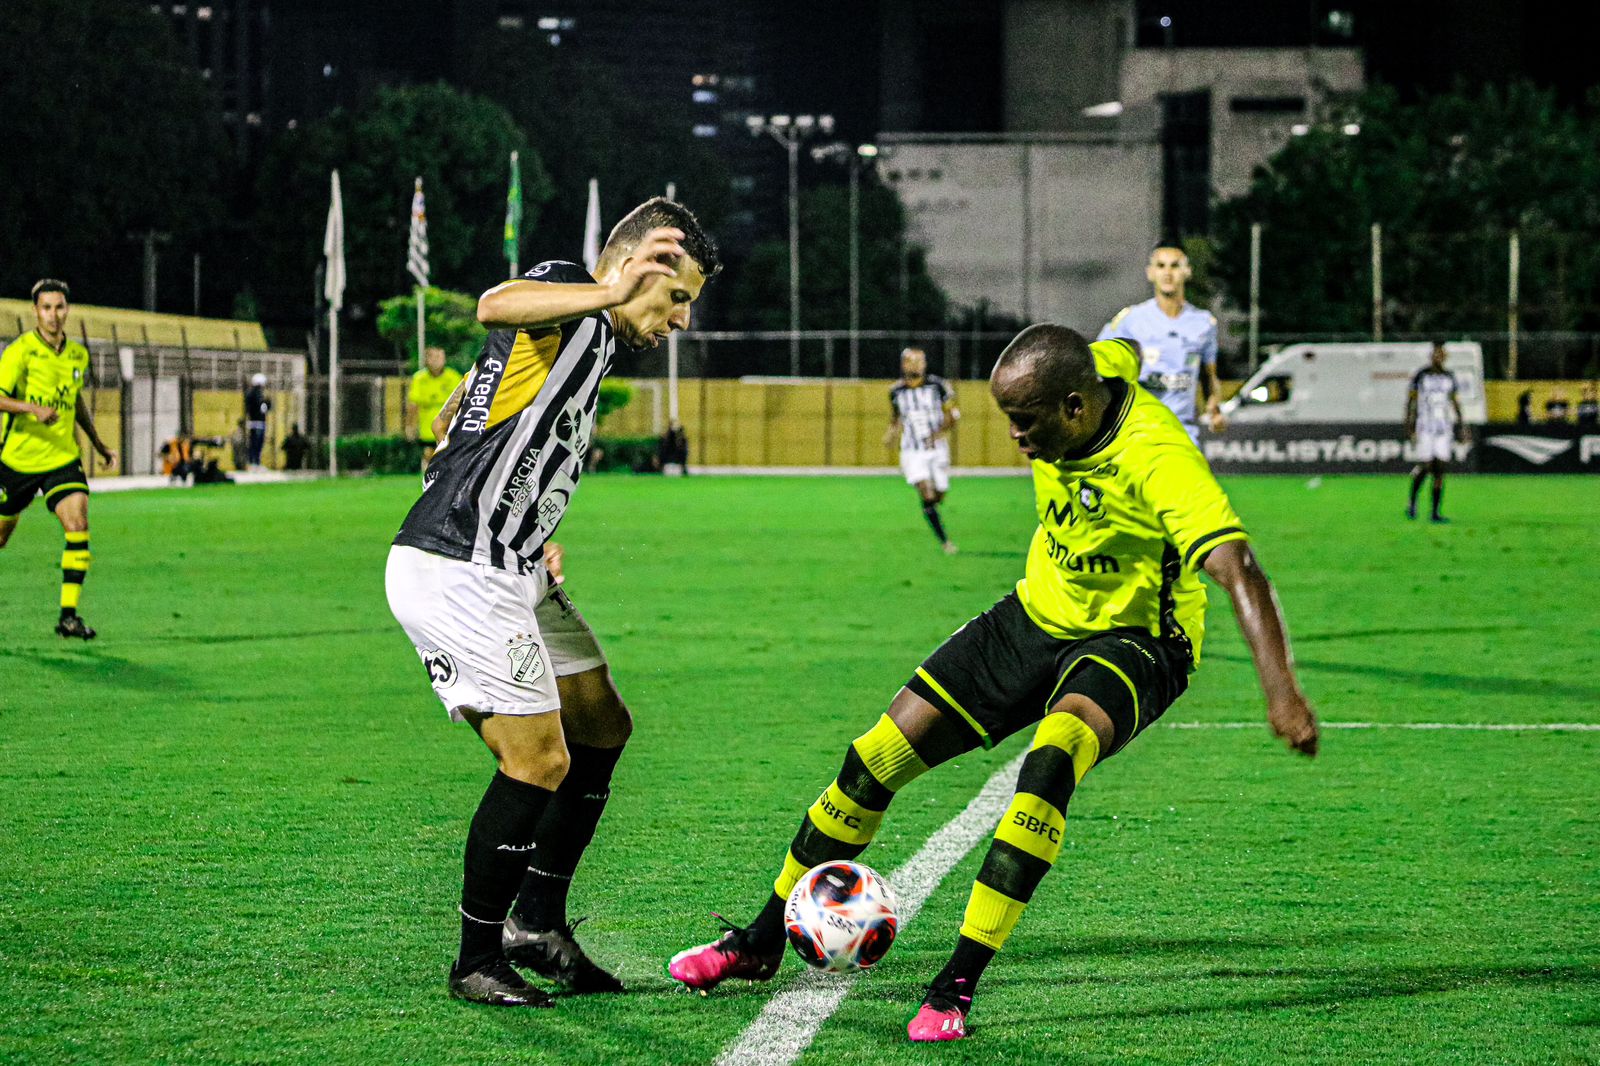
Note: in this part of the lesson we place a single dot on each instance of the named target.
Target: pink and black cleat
(730, 956)
(943, 1015)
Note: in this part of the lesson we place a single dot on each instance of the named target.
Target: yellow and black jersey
(500, 484)
(1126, 523)
(34, 372)
(428, 394)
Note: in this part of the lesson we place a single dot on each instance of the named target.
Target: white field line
(789, 1021)
(1472, 727)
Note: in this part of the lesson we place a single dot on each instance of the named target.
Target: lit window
(705, 130)
(203, 14)
(511, 22)
(555, 39)
(704, 96)
(180, 9)
(548, 23)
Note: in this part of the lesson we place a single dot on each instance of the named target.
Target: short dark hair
(1057, 358)
(44, 285)
(655, 213)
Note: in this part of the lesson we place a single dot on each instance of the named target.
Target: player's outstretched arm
(86, 423)
(529, 304)
(1233, 566)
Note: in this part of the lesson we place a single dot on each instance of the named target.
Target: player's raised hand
(1292, 719)
(657, 254)
(1219, 421)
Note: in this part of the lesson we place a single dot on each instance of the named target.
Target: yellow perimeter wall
(216, 413)
(133, 327)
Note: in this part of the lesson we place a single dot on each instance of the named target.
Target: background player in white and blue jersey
(922, 408)
(1433, 422)
(1178, 342)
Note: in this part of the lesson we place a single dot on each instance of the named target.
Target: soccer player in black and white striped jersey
(473, 579)
(922, 408)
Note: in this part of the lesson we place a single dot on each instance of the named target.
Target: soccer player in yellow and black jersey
(1097, 640)
(431, 388)
(41, 375)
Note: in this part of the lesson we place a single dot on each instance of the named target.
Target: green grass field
(231, 827)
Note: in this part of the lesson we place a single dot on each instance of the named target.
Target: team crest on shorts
(441, 668)
(527, 663)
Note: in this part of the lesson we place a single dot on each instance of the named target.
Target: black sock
(966, 965)
(564, 832)
(1438, 495)
(767, 930)
(68, 612)
(930, 511)
(499, 844)
(1416, 485)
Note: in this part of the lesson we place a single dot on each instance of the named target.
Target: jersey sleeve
(1118, 358)
(947, 394)
(13, 361)
(559, 272)
(1114, 327)
(1193, 510)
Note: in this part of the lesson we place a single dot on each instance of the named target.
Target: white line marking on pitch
(790, 1020)
(1476, 727)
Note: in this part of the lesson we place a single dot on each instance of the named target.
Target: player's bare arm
(86, 423)
(1211, 385)
(892, 434)
(535, 305)
(46, 415)
(952, 415)
(1411, 411)
(441, 421)
(553, 556)
(1461, 419)
(1233, 566)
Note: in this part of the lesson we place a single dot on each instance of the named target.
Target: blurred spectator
(1589, 407)
(1525, 408)
(296, 447)
(177, 460)
(239, 443)
(672, 453)
(430, 389)
(1556, 408)
(256, 406)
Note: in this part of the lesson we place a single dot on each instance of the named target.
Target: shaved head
(1053, 360)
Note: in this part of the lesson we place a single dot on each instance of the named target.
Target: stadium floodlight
(1299, 129)
(790, 131)
(867, 151)
(1109, 109)
(1351, 129)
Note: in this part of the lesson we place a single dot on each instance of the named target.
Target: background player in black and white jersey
(922, 408)
(1433, 422)
(473, 576)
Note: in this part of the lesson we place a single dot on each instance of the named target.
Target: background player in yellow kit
(1096, 641)
(41, 375)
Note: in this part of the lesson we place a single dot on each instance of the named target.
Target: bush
(624, 453)
(381, 455)
(614, 395)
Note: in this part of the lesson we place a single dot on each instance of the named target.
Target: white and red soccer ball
(841, 917)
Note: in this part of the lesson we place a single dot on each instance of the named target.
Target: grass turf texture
(231, 826)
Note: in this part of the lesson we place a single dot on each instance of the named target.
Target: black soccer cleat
(73, 626)
(555, 955)
(496, 984)
(1411, 512)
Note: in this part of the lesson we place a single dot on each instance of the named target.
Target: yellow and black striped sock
(74, 567)
(845, 818)
(1026, 843)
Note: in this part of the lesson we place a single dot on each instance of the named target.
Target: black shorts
(17, 489)
(1000, 673)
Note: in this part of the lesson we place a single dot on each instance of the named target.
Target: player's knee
(1078, 726)
(545, 765)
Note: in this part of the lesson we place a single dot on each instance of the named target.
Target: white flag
(591, 228)
(333, 249)
(417, 252)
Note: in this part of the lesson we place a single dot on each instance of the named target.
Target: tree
(108, 130)
(460, 145)
(451, 322)
(897, 291)
(1447, 177)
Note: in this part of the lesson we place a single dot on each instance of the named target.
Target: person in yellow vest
(41, 375)
(430, 388)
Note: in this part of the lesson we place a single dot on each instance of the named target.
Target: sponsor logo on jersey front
(519, 493)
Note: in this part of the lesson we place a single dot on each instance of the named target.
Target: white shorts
(926, 464)
(492, 642)
(1431, 446)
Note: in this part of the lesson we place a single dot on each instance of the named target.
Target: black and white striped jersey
(497, 489)
(920, 410)
(1435, 391)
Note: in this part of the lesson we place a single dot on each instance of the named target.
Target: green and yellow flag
(514, 215)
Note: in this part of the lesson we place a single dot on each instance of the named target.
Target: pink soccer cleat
(943, 1015)
(729, 956)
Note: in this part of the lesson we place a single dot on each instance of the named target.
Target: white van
(1352, 383)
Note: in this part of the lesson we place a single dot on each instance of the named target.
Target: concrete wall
(1242, 140)
(1062, 56)
(1047, 228)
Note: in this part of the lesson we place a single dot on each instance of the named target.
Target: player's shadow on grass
(97, 666)
(1345, 984)
(259, 638)
(1475, 684)
(982, 554)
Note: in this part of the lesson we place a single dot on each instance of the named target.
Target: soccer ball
(841, 917)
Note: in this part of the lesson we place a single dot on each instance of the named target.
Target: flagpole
(672, 347)
(417, 266)
(333, 391)
(333, 290)
(513, 232)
